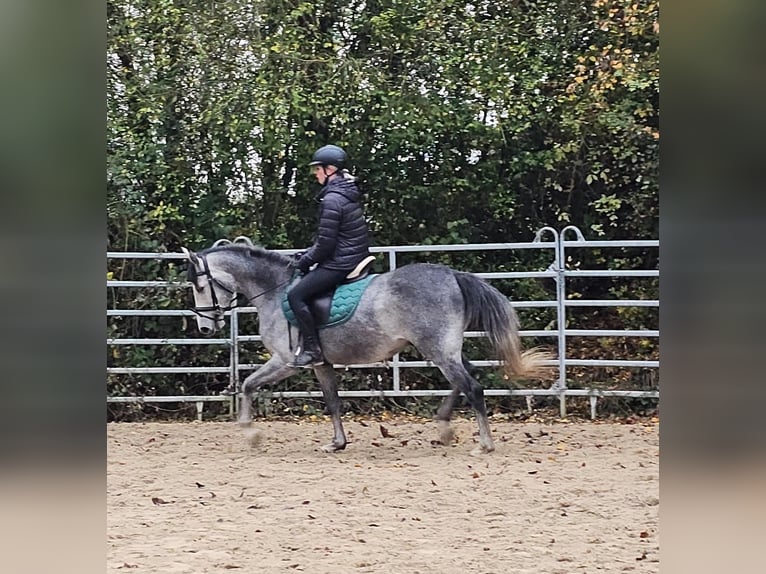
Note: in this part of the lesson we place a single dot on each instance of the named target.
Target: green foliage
(468, 122)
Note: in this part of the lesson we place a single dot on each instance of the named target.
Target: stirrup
(307, 360)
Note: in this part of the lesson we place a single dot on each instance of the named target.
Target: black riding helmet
(330, 155)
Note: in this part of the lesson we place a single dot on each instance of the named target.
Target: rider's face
(322, 172)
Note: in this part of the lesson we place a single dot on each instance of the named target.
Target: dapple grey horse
(426, 305)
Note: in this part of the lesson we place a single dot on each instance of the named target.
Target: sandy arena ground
(562, 498)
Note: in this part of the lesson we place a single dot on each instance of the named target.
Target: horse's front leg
(328, 380)
(273, 371)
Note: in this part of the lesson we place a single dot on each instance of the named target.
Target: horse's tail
(489, 310)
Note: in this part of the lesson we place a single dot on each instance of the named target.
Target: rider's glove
(299, 262)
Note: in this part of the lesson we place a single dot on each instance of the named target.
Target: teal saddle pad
(344, 303)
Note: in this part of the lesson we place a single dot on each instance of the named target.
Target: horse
(425, 305)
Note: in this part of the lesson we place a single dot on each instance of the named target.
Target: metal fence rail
(557, 245)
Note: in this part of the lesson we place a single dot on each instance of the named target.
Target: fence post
(561, 304)
(558, 267)
(234, 361)
(395, 358)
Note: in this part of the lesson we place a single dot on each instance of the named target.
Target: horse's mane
(254, 251)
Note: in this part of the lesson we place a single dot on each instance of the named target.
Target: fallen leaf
(231, 566)
(644, 534)
(642, 557)
(199, 485)
(159, 501)
(384, 432)
(432, 482)
(475, 475)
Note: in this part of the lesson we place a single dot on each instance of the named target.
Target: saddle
(337, 305)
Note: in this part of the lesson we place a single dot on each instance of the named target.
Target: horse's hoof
(481, 450)
(244, 423)
(253, 437)
(446, 434)
(332, 447)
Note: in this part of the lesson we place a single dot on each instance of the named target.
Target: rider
(341, 243)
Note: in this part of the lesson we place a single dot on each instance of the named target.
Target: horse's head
(213, 295)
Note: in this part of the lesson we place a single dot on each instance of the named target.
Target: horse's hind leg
(461, 381)
(444, 414)
(328, 380)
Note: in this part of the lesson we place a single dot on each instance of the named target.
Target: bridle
(216, 307)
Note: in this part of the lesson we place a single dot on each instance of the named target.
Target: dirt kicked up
(557, 498)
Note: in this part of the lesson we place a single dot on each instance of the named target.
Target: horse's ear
(243, 239)
(190, 255)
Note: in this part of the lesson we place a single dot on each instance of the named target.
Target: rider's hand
(297, 262)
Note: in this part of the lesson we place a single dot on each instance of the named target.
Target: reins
(277, 286)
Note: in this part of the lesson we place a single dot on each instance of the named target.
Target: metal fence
(547, 239)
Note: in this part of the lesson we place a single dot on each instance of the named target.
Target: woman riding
(342, 241)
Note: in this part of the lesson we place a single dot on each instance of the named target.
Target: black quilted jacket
(342, 240)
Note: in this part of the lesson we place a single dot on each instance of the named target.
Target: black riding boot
(311, 352)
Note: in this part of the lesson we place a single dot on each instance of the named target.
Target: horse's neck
(260, 278)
